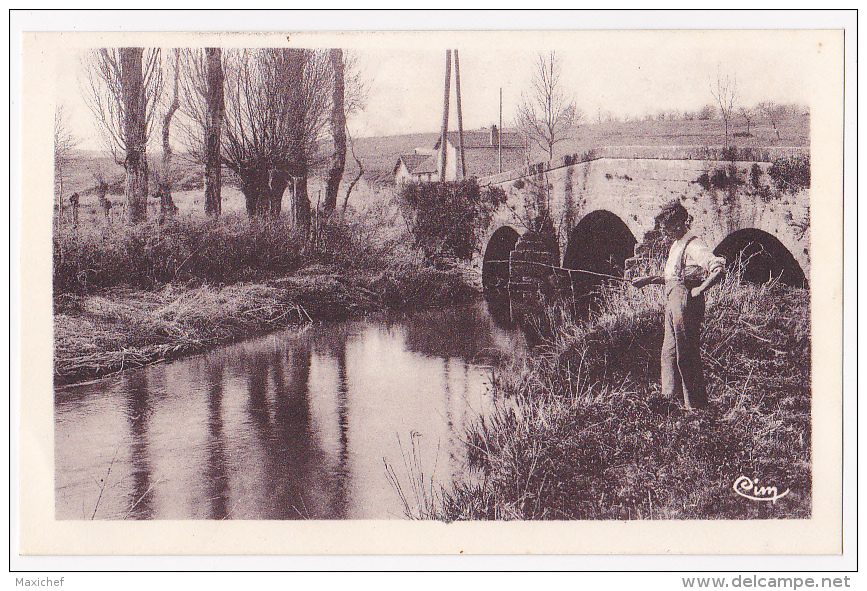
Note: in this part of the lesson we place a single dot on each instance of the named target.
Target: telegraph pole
(460, 119)
(500, 133)
(445, 129)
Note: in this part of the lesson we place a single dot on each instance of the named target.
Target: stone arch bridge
(603, 204)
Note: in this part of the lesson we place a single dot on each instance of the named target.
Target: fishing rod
(556, 268)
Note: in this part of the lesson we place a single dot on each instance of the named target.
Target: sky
(627, 73)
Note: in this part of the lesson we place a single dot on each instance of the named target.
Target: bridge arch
(601, 243)
(495, 264)
(764, 257)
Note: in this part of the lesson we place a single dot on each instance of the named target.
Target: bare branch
(547, 115)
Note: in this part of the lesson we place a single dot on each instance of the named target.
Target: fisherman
(690, 270)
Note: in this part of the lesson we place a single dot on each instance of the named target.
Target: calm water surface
(296, 425)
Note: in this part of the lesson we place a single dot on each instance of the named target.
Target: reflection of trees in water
(456, 415)
(286, 443)
(454, 332)
(138, 411)
(295, 486)
(330, 342)
(216, 475)
(340, 502)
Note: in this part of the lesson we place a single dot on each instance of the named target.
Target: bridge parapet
(704, 153)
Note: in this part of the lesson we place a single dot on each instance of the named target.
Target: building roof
(410, 160)
(482, 139)
(417, 163)
(428, 166)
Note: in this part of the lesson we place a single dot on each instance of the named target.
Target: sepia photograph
(440, 278)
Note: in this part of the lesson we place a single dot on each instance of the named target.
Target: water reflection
(216, 477)
(296, 425)
(138, 412)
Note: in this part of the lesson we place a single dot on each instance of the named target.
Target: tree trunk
(135, 133)
(104, 203)
(167, 206)
(357, 176)
(302, 202)
(213, 126)
(338, 132)
(59, 218)
(254, 186)
(297, 152)
(277, 182)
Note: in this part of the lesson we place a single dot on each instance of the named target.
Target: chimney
(494, 134)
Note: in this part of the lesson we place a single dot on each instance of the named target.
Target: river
(299, 424)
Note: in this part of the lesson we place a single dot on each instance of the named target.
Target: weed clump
(791, 174)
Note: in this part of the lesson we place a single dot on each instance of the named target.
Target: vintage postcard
(393, 292)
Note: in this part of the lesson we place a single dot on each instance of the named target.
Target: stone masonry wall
(635, 188)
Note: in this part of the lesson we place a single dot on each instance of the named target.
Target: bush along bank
(582, 433)
(136, 296)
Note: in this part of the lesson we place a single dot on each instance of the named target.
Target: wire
(556, 268)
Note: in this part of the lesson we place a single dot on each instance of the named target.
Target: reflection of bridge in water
(602, 208)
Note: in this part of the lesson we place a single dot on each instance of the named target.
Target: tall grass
(228, 250)
(583, 433)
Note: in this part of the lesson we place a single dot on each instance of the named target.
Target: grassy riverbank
(582, 434)
(126, 297)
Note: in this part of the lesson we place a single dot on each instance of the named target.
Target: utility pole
(445, 129)
(460, 119)
(500, 134)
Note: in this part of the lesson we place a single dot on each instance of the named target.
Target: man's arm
(640, 282)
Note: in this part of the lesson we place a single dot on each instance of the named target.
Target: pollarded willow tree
(277, 107)
(122, 87)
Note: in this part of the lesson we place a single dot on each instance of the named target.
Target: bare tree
(726, 95)
(64, 143)
(122, 88)
(773, 113)
(338, 131)
(547, 115)
(276, 110)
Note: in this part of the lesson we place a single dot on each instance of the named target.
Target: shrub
(755, 175)
(791, 174)
(448, 218)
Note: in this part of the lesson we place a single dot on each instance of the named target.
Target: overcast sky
(626, 73)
